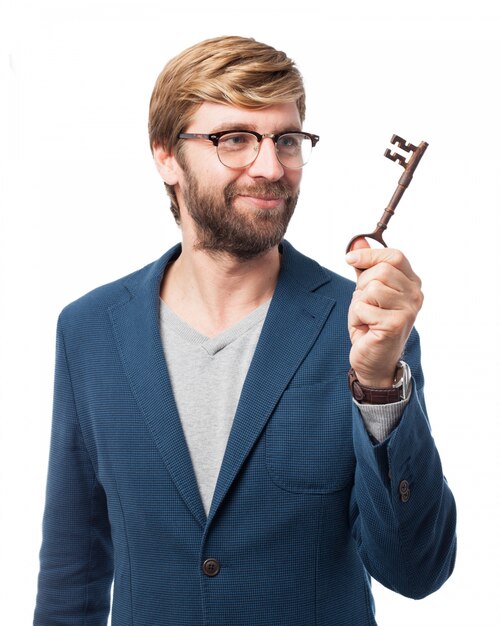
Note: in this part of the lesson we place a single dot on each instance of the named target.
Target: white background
(81, 204)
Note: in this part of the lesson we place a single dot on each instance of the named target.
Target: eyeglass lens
(239, 150)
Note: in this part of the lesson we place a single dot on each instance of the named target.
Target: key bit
(409, 164)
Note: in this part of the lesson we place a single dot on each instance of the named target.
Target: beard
(221, 228)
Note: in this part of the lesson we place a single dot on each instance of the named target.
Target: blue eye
(291, 141)
(235, 141)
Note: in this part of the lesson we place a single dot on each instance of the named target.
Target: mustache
(267, 189)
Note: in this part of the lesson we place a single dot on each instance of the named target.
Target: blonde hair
(227, 70)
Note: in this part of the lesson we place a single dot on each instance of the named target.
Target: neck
(213, 292)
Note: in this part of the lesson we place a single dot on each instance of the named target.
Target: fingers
(387, 266)
(379, 294)
(363, 258)
(388, 323)
(386, 288)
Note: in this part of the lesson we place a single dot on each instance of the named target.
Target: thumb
(359, 244)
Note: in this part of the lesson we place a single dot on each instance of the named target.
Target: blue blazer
(306, 508)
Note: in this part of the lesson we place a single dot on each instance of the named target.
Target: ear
(167, 165)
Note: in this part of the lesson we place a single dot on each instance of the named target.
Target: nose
(266, 164)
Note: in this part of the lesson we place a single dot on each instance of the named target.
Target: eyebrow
(228, 126)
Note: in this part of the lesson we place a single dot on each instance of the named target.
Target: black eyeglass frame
(215, 137)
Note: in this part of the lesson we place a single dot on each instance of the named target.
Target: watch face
(404, 381)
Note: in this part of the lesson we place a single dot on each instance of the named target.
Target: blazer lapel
(294, 321)
(136, 329)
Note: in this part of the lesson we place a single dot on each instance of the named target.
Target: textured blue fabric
(306, 509)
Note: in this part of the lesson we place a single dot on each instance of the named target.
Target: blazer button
(405, 492)
(211, 567)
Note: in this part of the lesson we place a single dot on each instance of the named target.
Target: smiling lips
(263, 203)
(262, 195)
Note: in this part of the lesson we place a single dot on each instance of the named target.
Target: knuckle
(417, 299)
(420, 299)
(383, 272)
(394, 325)
(398, 257)
(355, 308)
(374, 290)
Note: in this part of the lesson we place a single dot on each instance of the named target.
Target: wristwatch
(386, 395)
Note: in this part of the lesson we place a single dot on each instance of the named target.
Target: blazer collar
(295, 318)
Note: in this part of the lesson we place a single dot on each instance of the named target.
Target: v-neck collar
(212, 345)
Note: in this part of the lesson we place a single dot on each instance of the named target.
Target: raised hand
(382, 313)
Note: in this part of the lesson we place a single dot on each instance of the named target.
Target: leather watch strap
(372, 395)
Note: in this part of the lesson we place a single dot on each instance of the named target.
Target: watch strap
(385, 395)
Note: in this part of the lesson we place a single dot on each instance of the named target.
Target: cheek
(214, 175)
(293, 178)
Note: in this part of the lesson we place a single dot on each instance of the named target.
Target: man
(207, 454)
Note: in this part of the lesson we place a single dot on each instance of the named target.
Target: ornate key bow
(409, 165)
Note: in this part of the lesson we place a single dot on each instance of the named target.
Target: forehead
(212, 117)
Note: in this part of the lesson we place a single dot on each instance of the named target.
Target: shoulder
(314, 277)
(96, 303)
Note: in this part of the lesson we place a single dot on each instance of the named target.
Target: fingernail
(352, 257)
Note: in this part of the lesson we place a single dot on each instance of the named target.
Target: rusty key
(409, 166)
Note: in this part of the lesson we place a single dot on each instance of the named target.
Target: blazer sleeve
(76, 562)
(403, 513)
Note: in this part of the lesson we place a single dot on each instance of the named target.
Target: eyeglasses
(238, 149)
